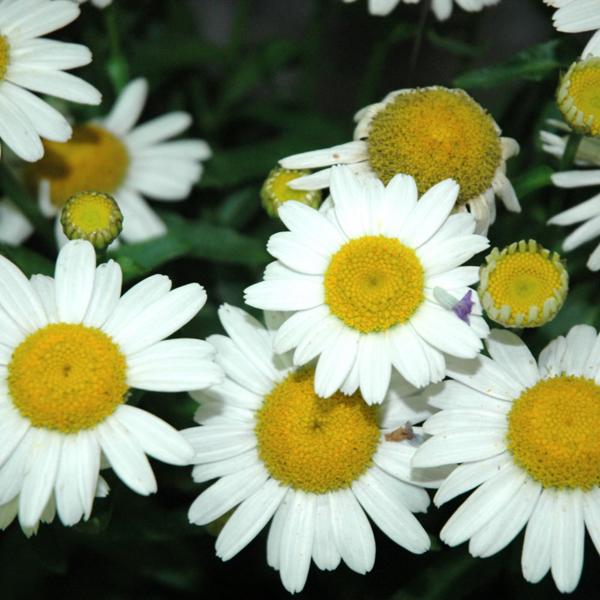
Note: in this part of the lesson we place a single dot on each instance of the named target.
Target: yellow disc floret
(553, 432)
(4, 56)
(524, 285)
(67, 377)
(92, 216)
(373, 283)
(314, 444)
(579, 96)
(275, 190)
(93, 159)
(435, 134)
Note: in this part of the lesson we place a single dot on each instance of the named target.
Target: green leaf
(533, 180)
(186, 238)
(533, 64)
(28, 261)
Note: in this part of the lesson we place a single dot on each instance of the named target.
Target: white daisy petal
(296, 541)
(159, 320)
(174, 366)
(68, 501)
(580, 341)
(219, 442)
(482, 505)
(128, 107)
(568, 532)
(429, 214)
(353, 534)
(335, 361)
(325, 551)
(468, 476)
(276, 530)
(226, 493)
(105, 295)
(460, 446)
(591, 511)
(46, 291)
(388, 512)
(512, 354)
(249, 519)
(74, 276)
(40, 475)
(507, 523)
(537, 545)
(408, 355)
(18, 299)
(375, 368)
(155, 437)
(126, 456)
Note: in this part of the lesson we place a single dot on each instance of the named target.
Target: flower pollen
(313, 444)
(435, 134)
(67, 377)
(553, 432)
(373, 283)
(579, 96)
(524, 285)
(4, 56)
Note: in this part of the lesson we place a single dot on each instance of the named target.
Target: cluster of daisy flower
(374, 375)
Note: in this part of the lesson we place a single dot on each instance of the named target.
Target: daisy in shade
(431, 134)
(113, 156)
(441, 8)
(526, 433)
(30, 63)
(586, 214)
(70, 350)
(316, 467)
(14, 227)
(368, 284)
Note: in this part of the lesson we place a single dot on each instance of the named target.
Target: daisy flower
(70, 350)
(586, 214)
(431, 134)
(364, 282)
(314, 466)
(523, 285)
(113, 156)
(526, 433)
(441, 8)
(30, 63)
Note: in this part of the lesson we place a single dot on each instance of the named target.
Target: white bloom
(431, 134)
(70, 350)
(314, 466)
(30, 63)
(526, 433)
(586, 214)
(441, 8)
(113, 156)
(360, 278)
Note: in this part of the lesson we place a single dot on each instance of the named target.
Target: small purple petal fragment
(463, 308)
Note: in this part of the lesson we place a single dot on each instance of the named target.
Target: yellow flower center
(276, 191)
(433, 134)
(579, 96)
(92, 216)
(315, 444)
(67, 377)
(553, 432)
(525, 285)
(4, 56)
(373, 283)
(93, 159)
